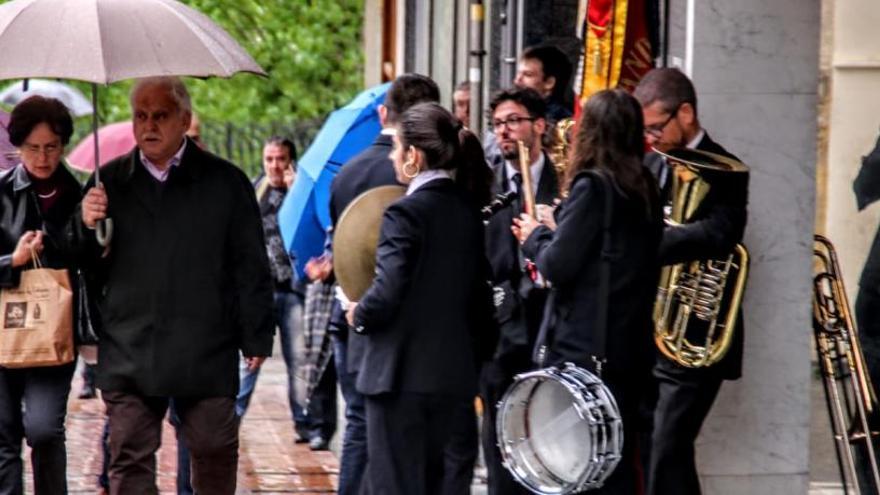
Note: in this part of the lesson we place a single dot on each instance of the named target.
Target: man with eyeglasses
(685, 395)
(516, 114)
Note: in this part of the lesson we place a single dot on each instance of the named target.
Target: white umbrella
(72, 98)
(103, 41)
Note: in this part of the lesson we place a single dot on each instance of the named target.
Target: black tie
(517, 179)
(518, 203)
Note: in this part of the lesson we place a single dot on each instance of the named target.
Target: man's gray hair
(175, 87)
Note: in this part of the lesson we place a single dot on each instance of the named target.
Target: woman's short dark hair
(447, 144)
(610, 137)
(36, 110)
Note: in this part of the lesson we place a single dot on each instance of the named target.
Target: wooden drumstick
(525, 172)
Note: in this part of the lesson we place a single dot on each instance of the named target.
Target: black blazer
(186, 282)
(519, 314)
(368, 169)
(717, 226)
(427, 316)
(570, 259)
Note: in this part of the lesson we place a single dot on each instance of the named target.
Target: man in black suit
(369, 169)
(517, 114)
(685, 395)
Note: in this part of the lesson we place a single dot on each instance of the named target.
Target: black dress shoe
(319, 443)
(297, 438)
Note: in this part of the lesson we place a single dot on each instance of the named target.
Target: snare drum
(559, 430)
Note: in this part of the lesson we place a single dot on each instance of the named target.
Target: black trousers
(209, 425)
(684, 398)
(407, 434)
(629, 393)
(461, 450)
(43, 391)
(494, 381)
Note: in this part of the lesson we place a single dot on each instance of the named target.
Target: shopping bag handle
(35, 259)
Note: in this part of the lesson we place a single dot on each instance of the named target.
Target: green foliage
(311, 50)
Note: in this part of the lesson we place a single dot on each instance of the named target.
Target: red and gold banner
(617, 49)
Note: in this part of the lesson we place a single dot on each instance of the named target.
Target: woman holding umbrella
(37, 199)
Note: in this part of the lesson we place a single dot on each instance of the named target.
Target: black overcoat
(185, 285)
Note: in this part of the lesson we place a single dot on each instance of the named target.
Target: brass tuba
(698, 302)
(851, 398)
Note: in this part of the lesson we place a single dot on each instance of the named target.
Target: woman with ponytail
(427, 315)
(569, 253)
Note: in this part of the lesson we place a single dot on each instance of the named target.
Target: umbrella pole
(104, 228)
(95, 131)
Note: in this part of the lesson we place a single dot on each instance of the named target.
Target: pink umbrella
(114, 140)
(8, 153)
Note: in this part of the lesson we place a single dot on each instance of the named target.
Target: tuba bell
(698, 302)
(849, 394)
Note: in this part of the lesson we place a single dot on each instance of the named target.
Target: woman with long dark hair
(609, 141)
(427, 315)
(37, 199)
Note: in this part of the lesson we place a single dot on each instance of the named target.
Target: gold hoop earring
(406, 172)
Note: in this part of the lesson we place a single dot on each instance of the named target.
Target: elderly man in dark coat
(186, 285)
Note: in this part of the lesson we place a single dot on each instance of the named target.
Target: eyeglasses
(656, 130)
(512, 123)
(50, 149)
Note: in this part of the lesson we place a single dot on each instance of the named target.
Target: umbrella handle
(104, 231)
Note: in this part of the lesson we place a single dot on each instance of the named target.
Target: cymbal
(356, 238)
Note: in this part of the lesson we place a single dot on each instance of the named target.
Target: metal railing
(242, 144)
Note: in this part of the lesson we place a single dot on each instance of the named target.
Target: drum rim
(575, 380)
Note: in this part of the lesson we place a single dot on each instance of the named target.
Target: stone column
(854, 120)
(755, 67)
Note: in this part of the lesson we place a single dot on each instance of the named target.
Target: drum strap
(606, 256)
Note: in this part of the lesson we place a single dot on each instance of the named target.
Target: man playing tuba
(685, 393)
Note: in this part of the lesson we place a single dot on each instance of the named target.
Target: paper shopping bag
(36, 320)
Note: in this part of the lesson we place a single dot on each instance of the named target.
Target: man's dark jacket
(717, 226)
(186, 282)
(428, 314)
(519, 314)
(368, 169)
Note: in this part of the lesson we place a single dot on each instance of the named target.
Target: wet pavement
(269, 463)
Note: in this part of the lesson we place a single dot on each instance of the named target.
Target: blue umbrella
(305, 214)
